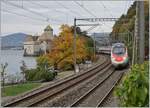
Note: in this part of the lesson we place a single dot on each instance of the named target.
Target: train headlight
(119, 59)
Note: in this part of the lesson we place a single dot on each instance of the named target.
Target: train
(119, 55)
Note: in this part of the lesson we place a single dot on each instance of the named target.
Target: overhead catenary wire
(35, 3)
(26, 16)
(108, 12)
(125, 8)
(73, 12)
(33, 12)
(11, 12)
(21, 7)
(106, 8)
(22, 15)
(60, 12)
(89, 12)
(99, 27)
(91, 28)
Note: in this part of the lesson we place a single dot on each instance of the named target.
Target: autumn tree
(62, 48)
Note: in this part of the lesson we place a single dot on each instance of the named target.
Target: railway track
(65, 97)
(96, 95)
(110, 90)
(51, 91)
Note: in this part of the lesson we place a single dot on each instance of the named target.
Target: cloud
(14, 23)
(39, 10)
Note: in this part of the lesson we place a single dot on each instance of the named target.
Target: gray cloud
(64, 11)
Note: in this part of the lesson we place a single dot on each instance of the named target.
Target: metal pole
(0, 29)
(141, 32)
(74, 45)
(135, 39)
(94, 46)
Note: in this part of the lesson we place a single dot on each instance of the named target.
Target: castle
(37, 45)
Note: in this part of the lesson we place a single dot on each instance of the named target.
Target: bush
(29, 74)
(48, 76)
(40, 73)
(134, 89)
(66, 66)
(43, 61)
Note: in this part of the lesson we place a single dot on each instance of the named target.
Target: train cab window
(119, 50)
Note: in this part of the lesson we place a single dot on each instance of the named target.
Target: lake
(14, 58)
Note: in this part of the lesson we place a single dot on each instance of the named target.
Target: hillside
(126, 23)
(13, 40)
(125, 26)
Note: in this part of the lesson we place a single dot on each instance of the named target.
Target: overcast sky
(32, 17)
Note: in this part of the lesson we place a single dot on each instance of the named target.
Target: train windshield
(119, 50)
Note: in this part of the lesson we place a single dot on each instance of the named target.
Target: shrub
(66, 66)
(29, 74)
(43, 61)
(48, 76)
(134, 89)
(40, 73)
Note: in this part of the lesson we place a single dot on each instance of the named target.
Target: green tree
(3, 74)
(23, 69)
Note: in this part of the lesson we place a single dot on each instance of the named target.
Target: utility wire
(91, 28)
(21, 7)
(11, 12)
(47, 7)
(108, 11)
(68, 9)
(99, 27)
(106, 8)
(89, 12)
(61, 12)
(125, 8)
(26, 9)
(128, 5)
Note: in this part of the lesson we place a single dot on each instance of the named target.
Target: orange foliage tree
(62, 48)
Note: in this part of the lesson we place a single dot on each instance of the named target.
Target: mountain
(101, 38)
(101, 35)
(13, 40)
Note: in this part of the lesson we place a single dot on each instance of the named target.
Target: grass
(14, 90)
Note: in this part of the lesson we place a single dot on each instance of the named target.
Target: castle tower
(47, 35)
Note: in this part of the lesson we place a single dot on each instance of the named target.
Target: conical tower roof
(48, 28)
(47, 35)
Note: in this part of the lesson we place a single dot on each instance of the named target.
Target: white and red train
(119, 55)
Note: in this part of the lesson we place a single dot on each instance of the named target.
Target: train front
(119, 56)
